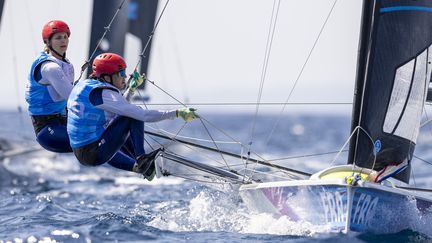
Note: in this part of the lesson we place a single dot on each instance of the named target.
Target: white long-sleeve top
(59, 77)
(114, 104)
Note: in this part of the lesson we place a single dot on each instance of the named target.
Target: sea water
(48, 197)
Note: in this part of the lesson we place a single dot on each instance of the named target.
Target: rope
(427, 162)
(246, 103)
(270, 37)
(189, 147)
(201, 119)
(151, 36)
(15, 67)
(172, 97)
(349, 139)
(29, 17)
(107, 28)
(191, 138)
(214, 143)
(300, 74)
(307, 155)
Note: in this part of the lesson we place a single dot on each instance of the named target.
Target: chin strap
(62, 56)
(102, 79)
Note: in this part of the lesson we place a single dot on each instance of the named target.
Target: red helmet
(107, 64)
(54, 26)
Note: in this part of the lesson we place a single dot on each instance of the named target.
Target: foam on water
(216, 211)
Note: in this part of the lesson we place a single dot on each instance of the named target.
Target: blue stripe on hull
(406, 8)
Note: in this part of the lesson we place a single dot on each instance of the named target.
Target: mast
(393, 73)
(362, 55)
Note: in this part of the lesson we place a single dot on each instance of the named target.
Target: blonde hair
(46, 49)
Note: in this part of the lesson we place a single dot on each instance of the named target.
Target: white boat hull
(367, 207)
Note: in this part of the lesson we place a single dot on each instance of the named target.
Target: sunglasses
(122, 73)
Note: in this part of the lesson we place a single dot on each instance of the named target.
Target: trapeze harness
(46, 107)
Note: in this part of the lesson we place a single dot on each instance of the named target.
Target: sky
(208, 51)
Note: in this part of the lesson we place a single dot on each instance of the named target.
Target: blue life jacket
(37, 96)
(86, 123)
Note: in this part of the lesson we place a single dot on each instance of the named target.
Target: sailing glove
(136, 80)
(187, 114)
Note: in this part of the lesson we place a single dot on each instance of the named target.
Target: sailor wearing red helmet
(50, 83)
(104, 127)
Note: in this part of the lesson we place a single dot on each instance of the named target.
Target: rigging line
(269, 43)
(204, 155)
(191, 138)
(184, 176)
(18, 81)
(107, 28)
(169, 150)
(285, 173)
(15, 65)
(306, 155)
(241, 144)
(359, 128)
(301, 72)
(174, 158)
(175, 140)
(179, 65)
(201, 117)
(29, 17)
(214, 126)
(189, 147)
(178, 132)
(151, 35)
(149, 144)
(285, 176)
(427, 162)
(172, 97)
(412, 175)
(427, 120)
(415, 189)
(202, 167)
(247, 103)
(262, 162)
(214, 143)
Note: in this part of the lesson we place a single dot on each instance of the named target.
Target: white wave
(216, 211)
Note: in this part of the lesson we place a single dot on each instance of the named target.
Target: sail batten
(393, 76)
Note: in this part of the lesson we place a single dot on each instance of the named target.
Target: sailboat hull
(368, 207)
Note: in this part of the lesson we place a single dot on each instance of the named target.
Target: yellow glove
(187, 114)
(136, 80)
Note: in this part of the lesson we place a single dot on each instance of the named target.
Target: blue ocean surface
(48, 197)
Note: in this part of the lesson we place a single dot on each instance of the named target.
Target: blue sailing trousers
(119, 145)
(51, 133)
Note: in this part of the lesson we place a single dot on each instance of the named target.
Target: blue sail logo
(377, 146)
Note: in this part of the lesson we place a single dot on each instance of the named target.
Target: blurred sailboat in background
(138, 21)
(1, 9)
